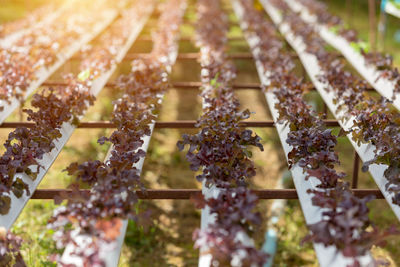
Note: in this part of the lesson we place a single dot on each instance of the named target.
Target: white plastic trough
(44, 73)
(110, 253)
(309, 61)
(207, 218)
(17, 204)
(369, 72)
(392, 9)
(8, 40)
(327, 256)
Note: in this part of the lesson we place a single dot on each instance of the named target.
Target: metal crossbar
(188, 193)
(185, 85)
(195, 55)
(182, 124)
(185, 39)
(178, 193)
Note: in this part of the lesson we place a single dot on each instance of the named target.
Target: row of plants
(97, 215)
(382, 62)
(345, 223)
(39, 49)
(221, 151)
(374, 121)
(26, 147)
(32, 18)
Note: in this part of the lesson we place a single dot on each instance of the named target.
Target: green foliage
(142, 239)
(334, 29)
(360, 46)
(13, 9)
(32, 227)
(291, 230)
(84, 75)
(396, 4)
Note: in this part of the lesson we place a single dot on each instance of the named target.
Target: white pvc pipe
(310, 63)
(110, 253)
(17, 204)
(207, 218)
(369, 72)
(392, 9)
(45, 72)
(327, 256)
(9, 40)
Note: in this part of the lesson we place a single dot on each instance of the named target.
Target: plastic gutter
(45, 72)
(365, 151)
(370, 73)
(17, 204)
(9, 40)
(110, 253)
(392, 9)
(327, 256)
(205, 258)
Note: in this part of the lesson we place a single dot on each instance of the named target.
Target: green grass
(12, 10)
(358, 20)
(31, 226)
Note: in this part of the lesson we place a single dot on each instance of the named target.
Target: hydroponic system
(360, 88)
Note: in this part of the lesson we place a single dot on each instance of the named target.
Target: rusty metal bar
(190, 56)
(176, 85)
(356, 167)
(195, 55)
(226, 9)
(159, 124)
(182, 85)
(231, 23)
(185, 39)
(197, 85)
(187, 193)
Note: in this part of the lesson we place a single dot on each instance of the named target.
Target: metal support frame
(195, 56)
(181, 124)
(185, 194)
(185, 85)
(188, 193)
